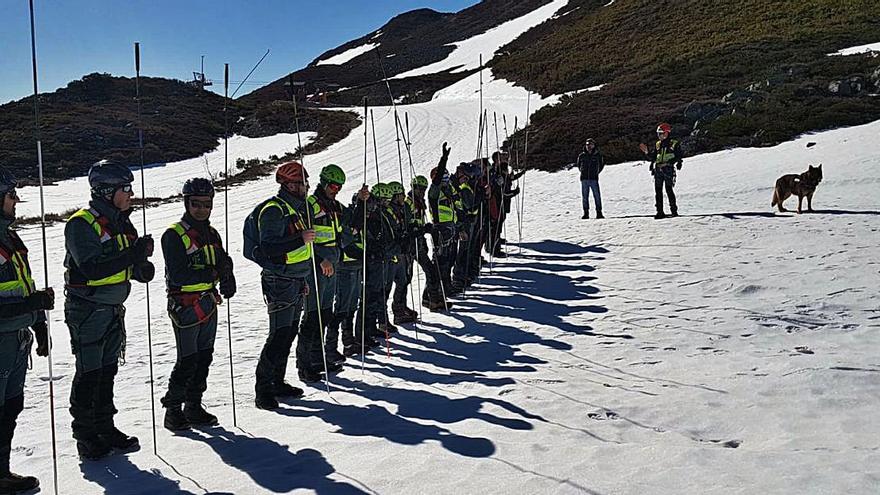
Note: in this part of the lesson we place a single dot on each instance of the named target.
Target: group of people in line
(665, 159)
(329, 270)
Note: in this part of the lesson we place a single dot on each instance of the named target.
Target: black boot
(120, 441)
(599, 215)
(266, 402)
(92, 448)
(14, 483)
(284, 389)
(586, 214)
(307, 376)
(197, 416)
(175, 419)
(660, 215)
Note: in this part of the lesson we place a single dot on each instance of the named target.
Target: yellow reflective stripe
(121, 241)
(198, 287)
(665, 155)
(300, 254)
(325, 235)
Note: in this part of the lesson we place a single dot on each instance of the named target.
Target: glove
(428, 228)
(40, 300)
(143, 248)
(678, 166)
(41, 332)
(144, 272)
(227, 286)
(445, 151)
(651, 169)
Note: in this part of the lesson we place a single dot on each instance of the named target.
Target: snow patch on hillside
(348, 54)
(466, 55)
(854, 50)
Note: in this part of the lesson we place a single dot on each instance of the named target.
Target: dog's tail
(775, 196)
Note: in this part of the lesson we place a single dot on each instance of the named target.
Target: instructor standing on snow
(22, 308)
(195, 263)
(104, 253)
(666, 158)
(591, 163)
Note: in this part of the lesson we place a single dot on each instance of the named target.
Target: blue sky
(78, 37)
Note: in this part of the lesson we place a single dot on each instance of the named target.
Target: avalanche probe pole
(364, 239)
(137, 86)
(45, 249)
(416, 265)
(226, 218)
(384, 280)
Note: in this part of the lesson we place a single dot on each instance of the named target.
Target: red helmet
(291, 172)
(664, 128)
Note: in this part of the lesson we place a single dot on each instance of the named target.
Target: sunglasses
(195, 203)
(334, 187)
(126, 188)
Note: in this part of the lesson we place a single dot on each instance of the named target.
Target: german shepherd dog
(800, 185)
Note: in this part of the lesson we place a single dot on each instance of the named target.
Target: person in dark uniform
(22, 309)
(283, 249)
(195, 264)
(666, 157)
(104, 253)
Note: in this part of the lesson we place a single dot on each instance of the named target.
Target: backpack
(251, 232)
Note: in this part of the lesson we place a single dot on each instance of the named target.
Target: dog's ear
(820, 166)
(811, 166)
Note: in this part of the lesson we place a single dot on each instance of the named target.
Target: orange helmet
(291, 172)
(664, 128)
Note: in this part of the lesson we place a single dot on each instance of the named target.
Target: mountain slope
(409, 40)
(656, 58)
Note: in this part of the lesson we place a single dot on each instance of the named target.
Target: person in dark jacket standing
(349, 285)
(104, 253)
(22, 308)
(195, 263)
(325, 216)
(284, 252)
(590, 163)
(666, 157)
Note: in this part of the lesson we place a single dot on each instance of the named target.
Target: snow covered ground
(731, 350)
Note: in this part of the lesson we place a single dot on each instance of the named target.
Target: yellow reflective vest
(119, 241)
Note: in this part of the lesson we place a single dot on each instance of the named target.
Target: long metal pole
(314, 261)
(226, 218)
(416, 266)
(137, 86)
(385, 313)
(364, 239)
(45, 248)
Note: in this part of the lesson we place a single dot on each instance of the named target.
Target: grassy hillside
(96, 117)
(660, 57)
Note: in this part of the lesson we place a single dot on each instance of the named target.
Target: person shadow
(374, 420)
(118, 474)
(271, 465)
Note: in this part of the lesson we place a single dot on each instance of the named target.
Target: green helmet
(332, 174)
(396, 188)
(420, 181)
(381, 191)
